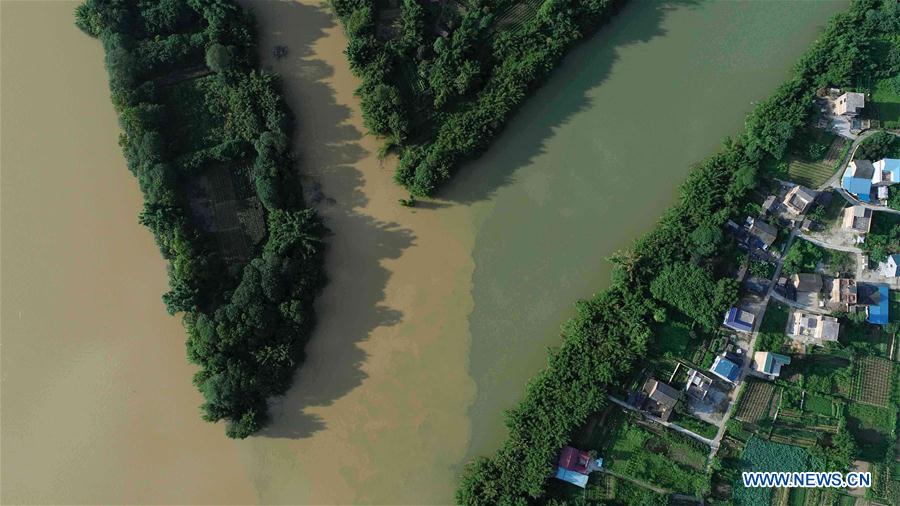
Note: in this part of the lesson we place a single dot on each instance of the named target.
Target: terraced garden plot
(223, 205)
(813, 174)
(516, 15)
(874, 380)
(755, 401)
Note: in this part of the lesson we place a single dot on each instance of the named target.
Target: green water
(595, 157)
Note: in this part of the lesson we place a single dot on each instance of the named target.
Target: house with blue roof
(861, 176)
(725, 369)
(738, 319)
(857, 179)
(877, 301)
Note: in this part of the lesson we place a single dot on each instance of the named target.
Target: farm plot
(517, 15)
(755, 402)
(762, 455)
(224, 206)
(815, 173)
(873, 383)
(665, 458)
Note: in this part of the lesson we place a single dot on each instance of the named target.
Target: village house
(726, 369)
(890, 268)
(575, 465)
(660, 399)
(876, 299)
(769, 364)
(770, 205)
(815, 329)
(799, 199)
(762, 235)
(857, 179)
(697, 384)
(739, 319)
(858, 219)
(861, 176)
(807, 288)
(849, 104)
(842, 295)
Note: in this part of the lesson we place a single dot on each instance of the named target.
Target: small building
(575, 465)
(842, 295)
(810, 328)
(849, 104)
(738, 319)
(857, 179)
(887, 171)
(725, 369)
(770, 205)
(697, 384)
(807, 288)
(762, 235)
(799, 199)
(891, 267)
(807, 282)
(661, 399)
(876, 298)
(769, 364)
(858, 219)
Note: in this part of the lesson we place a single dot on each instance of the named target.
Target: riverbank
(382, 397)
(98, 405)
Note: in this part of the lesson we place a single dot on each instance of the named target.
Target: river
(434, 317)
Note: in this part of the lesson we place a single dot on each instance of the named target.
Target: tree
(218, 58)
(692, 290)
(880, 145)
(706, 239)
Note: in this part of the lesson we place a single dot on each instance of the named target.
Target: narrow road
(640, 483)
(745, 368)
(834, 180)
(828, 245)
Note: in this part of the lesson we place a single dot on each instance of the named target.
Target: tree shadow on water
(327, 147)
(557, 99)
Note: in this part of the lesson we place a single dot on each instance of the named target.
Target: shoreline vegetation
(674, 271)
(440, 79)
(208, 136)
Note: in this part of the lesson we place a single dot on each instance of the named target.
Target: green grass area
(894, 307)
(673, 336)
(886, 101)
(865, 339)
(873, 430)
(694, 425)
(761, 455)
(819, 405)
(822, 372)
(771, 331)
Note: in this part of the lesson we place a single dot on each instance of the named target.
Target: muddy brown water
(434, 317)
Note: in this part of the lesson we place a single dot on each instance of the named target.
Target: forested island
(208, 136)
(680, 270)
(440, 79)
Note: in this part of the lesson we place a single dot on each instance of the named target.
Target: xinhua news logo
(807, 480)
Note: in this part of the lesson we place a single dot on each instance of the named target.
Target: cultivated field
(755, 402)
(873, 382)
